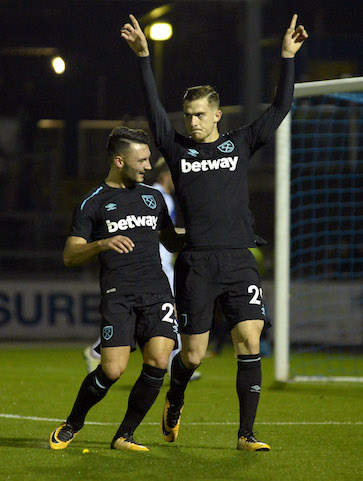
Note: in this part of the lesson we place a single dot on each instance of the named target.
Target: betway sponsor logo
(132, 221)
(229, 163)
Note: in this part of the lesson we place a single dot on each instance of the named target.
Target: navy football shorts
(136, 318)
(229, 275)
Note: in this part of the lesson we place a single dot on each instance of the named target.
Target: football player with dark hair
(121, 222)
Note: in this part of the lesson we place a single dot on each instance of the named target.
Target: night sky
(101, 82)
(101, 79)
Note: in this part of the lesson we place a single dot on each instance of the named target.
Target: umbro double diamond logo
(110, 206)
(193, 152)
(255, 388)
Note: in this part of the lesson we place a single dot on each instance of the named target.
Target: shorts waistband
(213, 248)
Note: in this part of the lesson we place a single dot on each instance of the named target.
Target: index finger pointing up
(293, 21)
(135, 23)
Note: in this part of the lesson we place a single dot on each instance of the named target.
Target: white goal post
(282, 221)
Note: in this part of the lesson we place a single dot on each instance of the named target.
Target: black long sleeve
(211, 178)
(261, 130)
(157, 117)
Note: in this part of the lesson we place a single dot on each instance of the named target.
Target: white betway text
(229, 163)
(132, 221)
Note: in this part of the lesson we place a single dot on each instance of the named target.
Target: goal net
(318, 234)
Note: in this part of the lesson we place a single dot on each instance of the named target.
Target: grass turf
(314, 429)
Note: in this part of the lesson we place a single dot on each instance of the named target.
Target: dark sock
(179, 379)
(248, 389)
(93, 389)
(142, 397)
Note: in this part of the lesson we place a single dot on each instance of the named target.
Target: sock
(248, 389)
(93, 389)
(142, 397)
(180, 377)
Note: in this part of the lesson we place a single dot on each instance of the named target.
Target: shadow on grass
(21, 442)
(43, 443)
(175, 462)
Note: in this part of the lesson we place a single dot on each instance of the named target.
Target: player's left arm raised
(293, 39)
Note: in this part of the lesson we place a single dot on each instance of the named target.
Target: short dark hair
(200, 92)
(120, 139)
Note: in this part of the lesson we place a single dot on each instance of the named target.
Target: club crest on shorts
(107, 332)
(149, 201)
(226, 147)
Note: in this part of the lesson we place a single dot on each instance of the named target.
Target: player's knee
(113, 370)
(160, 361)
(252, 344)
(191, 359)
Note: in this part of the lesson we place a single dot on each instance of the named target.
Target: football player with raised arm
(121, 222)
(209, 171)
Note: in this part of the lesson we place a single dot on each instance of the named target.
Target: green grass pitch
(314, 429)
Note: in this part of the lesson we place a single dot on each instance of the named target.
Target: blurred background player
(164, 183)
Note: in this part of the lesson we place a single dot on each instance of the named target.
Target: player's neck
(114, 185)
(117, 183)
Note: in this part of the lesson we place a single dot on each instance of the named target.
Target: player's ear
(218, 115)
(118, 161)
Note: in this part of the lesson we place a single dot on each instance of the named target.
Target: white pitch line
(222, 423)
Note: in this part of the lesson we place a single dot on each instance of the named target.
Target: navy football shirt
(138, 213)
(211, 178)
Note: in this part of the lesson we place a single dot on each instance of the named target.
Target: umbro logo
(110, 206)
(193, 152)
(226, 147)
(255, 388)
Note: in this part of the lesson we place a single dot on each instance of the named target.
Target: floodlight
(161, 31)
(58, 65)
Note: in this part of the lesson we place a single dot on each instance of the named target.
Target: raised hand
(293, 39)
(135, 37)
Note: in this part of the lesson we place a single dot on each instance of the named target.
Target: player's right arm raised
(135, 37)
(78, 251)
(158, 119)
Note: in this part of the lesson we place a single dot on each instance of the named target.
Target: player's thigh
(244, 298)
(246, 336)
(157, 350)
(156, 326)
(118, 321)
(195, 291)
(194, 347)
(114, 360)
